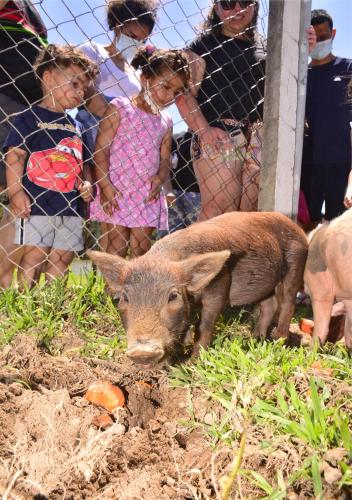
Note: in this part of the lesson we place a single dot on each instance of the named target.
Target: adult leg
(336, 177)
(140, 240)
(104, 237)
(58, 262)
(316, 193)
(10, 253)
(118, 240)
(220, 186)
(250, 186)
(251, 170)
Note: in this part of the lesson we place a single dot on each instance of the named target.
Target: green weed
(49, 310)
(276, 388)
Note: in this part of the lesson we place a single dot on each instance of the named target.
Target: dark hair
(320, 16)
(62, 56)
(154, 62)
(214, 24)
(120, 12)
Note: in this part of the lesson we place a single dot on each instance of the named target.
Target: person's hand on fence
(108, 198)
(212, 139)
(311, 38)
(20, 204)
(156, 184)
(86, 190)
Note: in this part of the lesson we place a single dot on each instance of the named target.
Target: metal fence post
(284, 106)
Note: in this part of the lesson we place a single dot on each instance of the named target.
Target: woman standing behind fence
(131, 22)
(224, 108)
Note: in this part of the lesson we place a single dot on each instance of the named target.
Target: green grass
(80, 308)
(276, 391)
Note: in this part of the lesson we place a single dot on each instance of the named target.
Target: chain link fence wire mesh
(49, 147)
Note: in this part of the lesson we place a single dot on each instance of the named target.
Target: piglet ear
(199, 270)
(112, 267)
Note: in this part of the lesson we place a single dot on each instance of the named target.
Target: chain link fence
(49, 147)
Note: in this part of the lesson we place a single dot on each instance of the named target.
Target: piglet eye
(115, 300)
(173, 296)
(118, 299)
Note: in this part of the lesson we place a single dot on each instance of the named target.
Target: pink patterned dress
(134, 159)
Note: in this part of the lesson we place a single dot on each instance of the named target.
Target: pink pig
(328, 275)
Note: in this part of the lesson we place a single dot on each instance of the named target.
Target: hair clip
(149, 49)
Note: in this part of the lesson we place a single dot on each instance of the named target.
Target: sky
(76, 21)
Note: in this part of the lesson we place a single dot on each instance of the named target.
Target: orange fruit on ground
(105, 394)
(306, 326)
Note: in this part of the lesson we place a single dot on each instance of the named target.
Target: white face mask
(128, 46)
(149, 99)
(321, 50)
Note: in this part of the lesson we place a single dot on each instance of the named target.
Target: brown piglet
(237, 258)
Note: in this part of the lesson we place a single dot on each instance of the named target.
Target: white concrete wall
(284, 105)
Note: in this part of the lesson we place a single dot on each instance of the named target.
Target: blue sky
(75, 21)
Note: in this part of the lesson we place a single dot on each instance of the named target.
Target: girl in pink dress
(132, 153)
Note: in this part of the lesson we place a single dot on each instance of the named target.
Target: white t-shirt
(112, 82)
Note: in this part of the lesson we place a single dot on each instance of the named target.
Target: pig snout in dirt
(328, 276)
(236, 258)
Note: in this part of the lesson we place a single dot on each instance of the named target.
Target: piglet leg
(268, 308)
(213, 300)
(322, 313)
(348, 323)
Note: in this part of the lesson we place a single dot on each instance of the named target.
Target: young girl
(132, 154)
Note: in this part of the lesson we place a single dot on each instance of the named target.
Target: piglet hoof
(315, 342)
(189, 337)
(196, 350)
(278, 334)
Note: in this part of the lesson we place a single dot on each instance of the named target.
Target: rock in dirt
(331, 475)
(103, 421)
(335, 455)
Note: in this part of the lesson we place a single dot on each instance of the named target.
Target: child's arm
(20, 204)
(95, 102)
(348, 196)
(164, 169)
(107, 131)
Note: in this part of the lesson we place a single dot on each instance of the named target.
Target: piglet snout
(145, 352)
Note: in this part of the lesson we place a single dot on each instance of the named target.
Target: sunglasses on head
(231, 4)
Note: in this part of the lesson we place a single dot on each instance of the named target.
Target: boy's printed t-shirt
(54, 160)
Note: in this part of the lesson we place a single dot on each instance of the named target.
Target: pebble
(16, 389)
(208, 419)
(119, 429)
(170, 428)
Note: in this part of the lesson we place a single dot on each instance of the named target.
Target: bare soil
(51, 449)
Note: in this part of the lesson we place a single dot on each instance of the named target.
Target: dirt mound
(51, 449)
